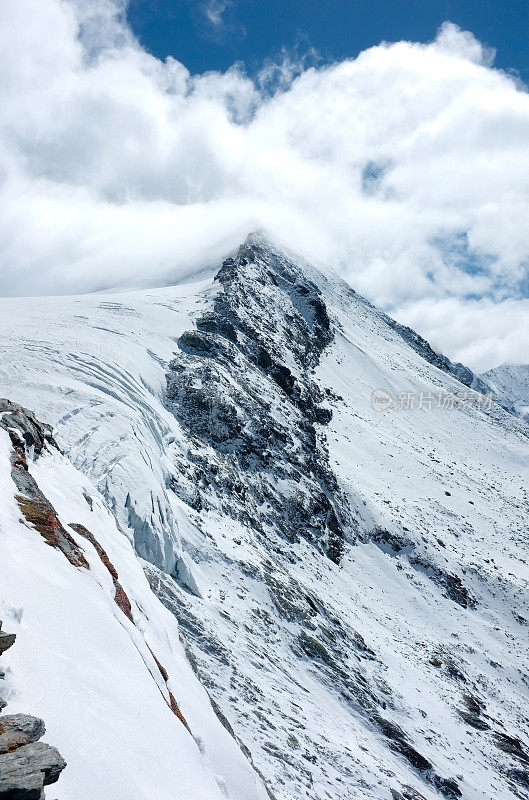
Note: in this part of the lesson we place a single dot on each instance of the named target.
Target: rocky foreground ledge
(26, 764)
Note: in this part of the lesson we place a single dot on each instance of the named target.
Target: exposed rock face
(7, 640)
(27, 769)
(368, 669)
(29, 430)
(241, 387)
(29, 437)
(263, 631)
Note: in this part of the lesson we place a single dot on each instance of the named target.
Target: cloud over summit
(406, 168)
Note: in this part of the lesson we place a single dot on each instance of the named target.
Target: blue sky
(213, 34)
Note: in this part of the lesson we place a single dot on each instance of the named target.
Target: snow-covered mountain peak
(241, 387)
(334, 514)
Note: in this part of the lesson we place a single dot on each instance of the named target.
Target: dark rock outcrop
(241, 387)
(34, 434)
(512, 746)
(473, 713)
(463, 374)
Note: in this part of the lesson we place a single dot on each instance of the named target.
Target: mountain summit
(320, 527)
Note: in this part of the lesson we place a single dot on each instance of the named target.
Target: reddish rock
(120, 596)
(174, 708)
(17, 730)
(39, 512)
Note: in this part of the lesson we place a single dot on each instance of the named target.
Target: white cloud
(214, 11)
(405, 168)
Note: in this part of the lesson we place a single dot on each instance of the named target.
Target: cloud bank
(407, 169)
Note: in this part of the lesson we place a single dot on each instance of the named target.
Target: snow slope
(349, 576)
(90, 672)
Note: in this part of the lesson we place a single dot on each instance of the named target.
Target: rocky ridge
(241, 385)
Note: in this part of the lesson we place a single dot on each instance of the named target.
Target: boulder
(25, 771)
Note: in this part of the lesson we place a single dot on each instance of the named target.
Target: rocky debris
(120, 596)
(27, 769)
(396, 543)
(226, 724)
(398, 742)
(241, 387)
(391, 541)
(455, 589)
(454, 670)
(452, 584)
(316, 638)
(521, 778)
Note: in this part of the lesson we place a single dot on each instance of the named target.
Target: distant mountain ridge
(510, 384)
